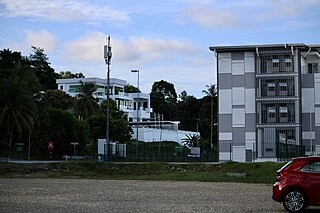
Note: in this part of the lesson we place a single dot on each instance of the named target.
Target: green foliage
(68, 74)
(59, 99)
(17, 107)
(97, 126)
(211, 90)
(130, 89)
(119, 125)
(188, 113)
(86, 105)
(163, 99)
(191, 140)
(39, 62)
(255, 172)
(62, 129)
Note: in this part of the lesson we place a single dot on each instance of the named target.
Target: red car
(298, 184)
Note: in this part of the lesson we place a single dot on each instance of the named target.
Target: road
(67, 195)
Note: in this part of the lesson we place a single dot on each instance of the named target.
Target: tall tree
(163, 99)
(86, 105)
(212, 93)
(17, 107)
(39, 61)
(188, 112)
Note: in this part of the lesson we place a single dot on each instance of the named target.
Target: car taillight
(280, 175)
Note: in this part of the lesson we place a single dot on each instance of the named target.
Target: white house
(127, 102)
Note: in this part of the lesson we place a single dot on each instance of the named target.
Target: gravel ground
(59, 195)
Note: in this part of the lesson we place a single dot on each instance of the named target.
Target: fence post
(230, 152)
(144, 153)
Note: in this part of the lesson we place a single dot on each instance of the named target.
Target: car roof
(306, 158)
(298, 163)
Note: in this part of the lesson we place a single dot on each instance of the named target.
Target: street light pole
(107, 58)
(137, 108)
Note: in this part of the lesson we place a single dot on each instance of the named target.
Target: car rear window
(311, 167)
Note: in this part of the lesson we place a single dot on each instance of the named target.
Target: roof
(90, 80)
(254, 47)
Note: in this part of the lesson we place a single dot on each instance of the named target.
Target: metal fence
(281, 151)
(147, 153)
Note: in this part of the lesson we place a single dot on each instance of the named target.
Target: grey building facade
(269, 101)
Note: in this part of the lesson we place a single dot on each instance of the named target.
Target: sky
(165, 40)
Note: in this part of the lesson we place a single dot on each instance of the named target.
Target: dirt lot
(59, 195)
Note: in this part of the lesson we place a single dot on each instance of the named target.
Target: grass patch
(255, 172)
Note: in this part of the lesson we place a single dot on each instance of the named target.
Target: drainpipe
(307, 52)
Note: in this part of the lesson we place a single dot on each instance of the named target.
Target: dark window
(237, 55)
(312, 167)
(312, 68)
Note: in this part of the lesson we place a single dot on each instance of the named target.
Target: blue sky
(165, 40)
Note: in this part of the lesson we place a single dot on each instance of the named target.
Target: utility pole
(107, 58)
(137, 107)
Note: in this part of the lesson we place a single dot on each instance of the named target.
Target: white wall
(307, 100)
(155, 135)
(239, 153)
(225, 101)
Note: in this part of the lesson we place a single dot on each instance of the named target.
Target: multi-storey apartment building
(269, 101)
(129, 103)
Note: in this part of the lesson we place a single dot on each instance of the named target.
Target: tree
(68, 74)
(163, 99)
(59, 99)
(17, 107)
(183, 96)
(191, 140)
(39, 61)
(9, 61)
(188, 113)
(119, 125)
(63, 129)
(130, 89)
(86, 104)
(211, 92)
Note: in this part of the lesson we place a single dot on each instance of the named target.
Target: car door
(313, 178)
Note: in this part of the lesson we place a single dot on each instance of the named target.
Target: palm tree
(191, 140)
(211, 92)
(17, 108)
(86, 105)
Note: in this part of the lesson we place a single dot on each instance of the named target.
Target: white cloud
(135, 50)
(63, 10)
(86, 48)
(139, 50)
(239, 14)
(42, 39)
(209, 17)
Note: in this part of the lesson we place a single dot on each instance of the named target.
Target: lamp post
(107, 58)
(137, 108)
